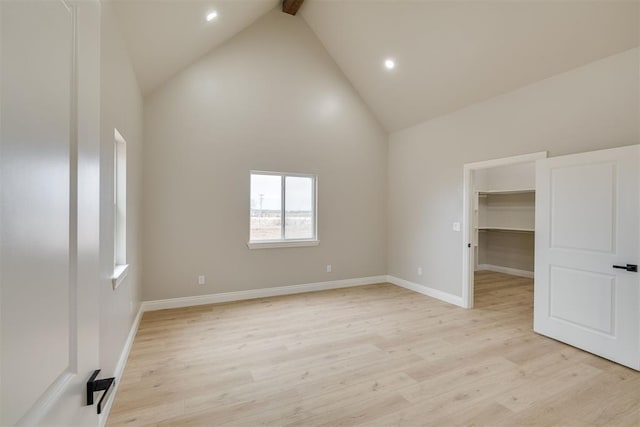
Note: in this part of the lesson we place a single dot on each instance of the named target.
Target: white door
(49, 218)
(587, 222)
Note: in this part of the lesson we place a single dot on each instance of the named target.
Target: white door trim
(467, 215)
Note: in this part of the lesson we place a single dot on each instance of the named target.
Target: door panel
(587, 220)
(579, 189)
(43, 360)
(36, 139)
(595, 293)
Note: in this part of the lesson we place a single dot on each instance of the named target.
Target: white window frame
(120, 266)
(283, 242)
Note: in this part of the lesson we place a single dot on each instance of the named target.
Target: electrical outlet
(328, 268)
(456, 226)
(419, 271)
(201, 280)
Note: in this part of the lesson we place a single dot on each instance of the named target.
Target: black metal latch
(94, 385)
(628, 267)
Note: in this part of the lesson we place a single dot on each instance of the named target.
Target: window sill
(282, 244)
(119, 273)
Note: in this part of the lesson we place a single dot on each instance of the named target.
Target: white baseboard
(259, 293)
(425, 290)
(122, 362)
(506, 270)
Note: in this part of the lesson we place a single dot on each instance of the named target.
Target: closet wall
(505, 219)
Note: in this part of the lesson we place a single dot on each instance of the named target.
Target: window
(119, 209)
(283, 210)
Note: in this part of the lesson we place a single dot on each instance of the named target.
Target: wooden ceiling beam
(291, 6)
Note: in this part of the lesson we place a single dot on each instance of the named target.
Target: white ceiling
(164, 36)
(449, 53)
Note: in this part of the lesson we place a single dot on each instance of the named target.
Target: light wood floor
(373, 355)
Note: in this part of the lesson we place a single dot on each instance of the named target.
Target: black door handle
(628, 267)
(94, 385)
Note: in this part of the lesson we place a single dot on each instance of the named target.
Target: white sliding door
(587, 233)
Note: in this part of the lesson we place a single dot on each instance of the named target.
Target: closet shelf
(512, 229)
(514, 191)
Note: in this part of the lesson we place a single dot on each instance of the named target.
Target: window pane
(299, 223)
(266, 206)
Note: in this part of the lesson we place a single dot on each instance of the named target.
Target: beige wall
(504, 249)
(504, 178)
(589, 108)
(269, 99)
(121, 108)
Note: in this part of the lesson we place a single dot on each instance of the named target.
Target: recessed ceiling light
(212, 15)
(389, 64)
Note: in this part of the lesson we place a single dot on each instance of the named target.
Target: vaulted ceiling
(448, 54)
(165, 36)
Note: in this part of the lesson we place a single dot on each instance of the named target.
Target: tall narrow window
(119, 209)
(283, 210)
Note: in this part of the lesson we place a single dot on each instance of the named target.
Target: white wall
(269, 99)
(504, 178)
(592, 107)
(121, 108)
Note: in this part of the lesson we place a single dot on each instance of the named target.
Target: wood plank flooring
(373, 355)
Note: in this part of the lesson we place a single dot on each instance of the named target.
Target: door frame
(468, 194)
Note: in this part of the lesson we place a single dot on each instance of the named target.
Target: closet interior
(504, 219)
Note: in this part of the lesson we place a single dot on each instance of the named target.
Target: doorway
(498, 207)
